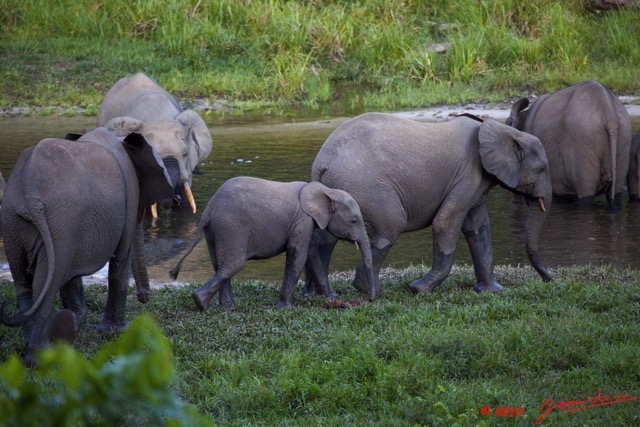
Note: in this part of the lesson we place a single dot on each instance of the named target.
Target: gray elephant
(633, 177)
(407, 175)
(2, 186)
(69, 208)
(252, 218)
(586, 133)
(181, 137)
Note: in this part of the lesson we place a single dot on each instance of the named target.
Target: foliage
(434, 359)
(294, 51)
(127, 382)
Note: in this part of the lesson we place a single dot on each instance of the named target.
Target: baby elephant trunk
(367, 260)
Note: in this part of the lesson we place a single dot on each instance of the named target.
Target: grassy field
(435, 359)
(371, 54)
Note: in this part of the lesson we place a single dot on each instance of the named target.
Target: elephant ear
(500, 153)
(123, 126)
(316, 202)
(153, 179)
(199, 141)
(518, 114)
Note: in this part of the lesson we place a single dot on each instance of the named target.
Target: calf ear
(500, 152)
(315, 202)
(153, 179)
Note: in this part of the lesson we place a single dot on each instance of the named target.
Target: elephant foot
(202, 299)
(488, 287)
(108, 327)
(422, 285)
(64, 326)
(144, 295)
(284, 304)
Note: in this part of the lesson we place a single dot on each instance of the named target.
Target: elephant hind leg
(225, 295)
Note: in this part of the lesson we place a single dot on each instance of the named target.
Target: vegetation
(126, 383)
(435, 359)
(372, 54)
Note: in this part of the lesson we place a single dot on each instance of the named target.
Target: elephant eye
(184, 153)
(354, 220)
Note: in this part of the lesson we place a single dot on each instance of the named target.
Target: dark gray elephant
(69, 208)
(407, 175)
(2, 186)
(633, 177)
(252, 218)
(586, 133)
(139, 104)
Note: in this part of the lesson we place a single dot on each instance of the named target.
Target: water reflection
(283, 148)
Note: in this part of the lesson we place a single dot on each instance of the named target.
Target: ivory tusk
(357, 247)
(154, 210)
(541, 203)
(189, 194)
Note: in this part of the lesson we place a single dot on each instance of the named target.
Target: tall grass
(293, 50)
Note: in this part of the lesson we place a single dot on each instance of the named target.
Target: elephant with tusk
(139, 104)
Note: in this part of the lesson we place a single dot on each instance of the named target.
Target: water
(282, 147)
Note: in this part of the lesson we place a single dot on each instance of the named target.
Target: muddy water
(282, 147)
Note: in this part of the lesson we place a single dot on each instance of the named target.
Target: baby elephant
(252, 218)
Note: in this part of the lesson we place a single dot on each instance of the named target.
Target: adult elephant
(586, 133)
(181, 137)
(69, 208)
(633, 177)
(407, 175)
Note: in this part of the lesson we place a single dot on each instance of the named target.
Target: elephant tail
(199, 232)
(36, 208)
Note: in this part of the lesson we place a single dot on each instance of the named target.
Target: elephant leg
(446, 229)
(225, 295)
(360, 280)
(320, 251)
(36, 329)
(72, 295)
(295, 261)
(66, 322)
(203, 295)
(114, 318)
(477, 232)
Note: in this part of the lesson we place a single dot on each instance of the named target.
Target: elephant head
(181, 142)
(337, 212)
(518, 160)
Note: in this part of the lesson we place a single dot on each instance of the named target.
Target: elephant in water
(69, 208)
(407, 175)
(586, 133)
(633, 178)
(181, 137)
(252, 218)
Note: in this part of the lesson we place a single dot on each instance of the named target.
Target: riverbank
(370, 55)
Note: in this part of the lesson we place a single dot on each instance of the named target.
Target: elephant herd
(375, 177)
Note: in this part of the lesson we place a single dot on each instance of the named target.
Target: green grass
(276, 52)
(433, 359)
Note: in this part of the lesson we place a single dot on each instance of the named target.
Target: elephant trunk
(531, 213)
(367, 260)
(139, 266)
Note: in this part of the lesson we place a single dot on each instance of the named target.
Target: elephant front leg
(377, 256)
(114, 318)
(477, 232)
(296, 259)
(320, 251)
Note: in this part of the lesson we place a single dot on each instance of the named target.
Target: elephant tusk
(541, 203)
(154, 210)
(189, 194)
(357, 247)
